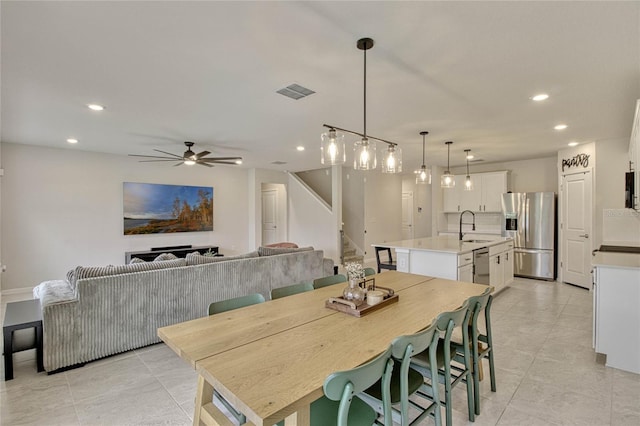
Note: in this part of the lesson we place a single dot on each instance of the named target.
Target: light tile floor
(547, 374)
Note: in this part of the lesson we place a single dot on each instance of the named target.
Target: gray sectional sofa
(97, 312)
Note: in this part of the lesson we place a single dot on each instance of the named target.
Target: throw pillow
(137, 260)
(271, 251)
(198, 259)
(165, 256)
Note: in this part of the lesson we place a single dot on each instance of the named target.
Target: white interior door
(269, 216)
(576, 229)
(407, 215)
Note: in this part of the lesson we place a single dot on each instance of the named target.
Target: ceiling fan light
(332, 149)
(392, 161)
(189, 162)
(364, 152)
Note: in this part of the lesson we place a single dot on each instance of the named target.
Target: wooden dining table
(270, 360)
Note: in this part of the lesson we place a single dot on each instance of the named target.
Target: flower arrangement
(354, 271)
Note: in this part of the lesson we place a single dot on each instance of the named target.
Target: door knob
(584, 236)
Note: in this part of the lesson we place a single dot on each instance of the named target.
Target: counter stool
(389, 264)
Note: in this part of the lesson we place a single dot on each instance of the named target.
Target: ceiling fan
(189, 158)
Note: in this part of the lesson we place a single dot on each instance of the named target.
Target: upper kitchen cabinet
(486, 195)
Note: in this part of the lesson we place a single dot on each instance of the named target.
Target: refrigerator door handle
(526, 215)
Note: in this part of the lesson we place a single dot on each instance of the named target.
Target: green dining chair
(449, 374)
(406, 381)
(369, 272)
(478, 304)
(229, 305)
(235, 303)
(340, 405)
(330, 280)
(290, 290)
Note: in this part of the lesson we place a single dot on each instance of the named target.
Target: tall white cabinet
(486, 195)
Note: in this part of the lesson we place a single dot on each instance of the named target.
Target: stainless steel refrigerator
(530, 219)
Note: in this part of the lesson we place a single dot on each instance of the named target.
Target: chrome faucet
(473, 225)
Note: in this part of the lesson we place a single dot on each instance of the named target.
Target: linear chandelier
(333, 148)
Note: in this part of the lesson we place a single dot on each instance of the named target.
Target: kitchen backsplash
(487, 223)
(620, 227)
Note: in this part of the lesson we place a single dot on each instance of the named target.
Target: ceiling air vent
(295, 91)
(279, 163)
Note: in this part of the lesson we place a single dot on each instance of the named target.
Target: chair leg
(492, 370)
(476, 381)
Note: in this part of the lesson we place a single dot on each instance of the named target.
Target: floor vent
(295, 91)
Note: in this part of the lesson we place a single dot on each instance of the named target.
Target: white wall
(353, 205)
(62, 208)
(422, 206)
(383, 209)
(311, 221)
(320, 181)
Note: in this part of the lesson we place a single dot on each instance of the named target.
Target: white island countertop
(616, 260)
(444, 244)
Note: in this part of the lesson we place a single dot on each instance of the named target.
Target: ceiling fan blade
(203, 164)
(155, 161)
(202, 154)
(224, 162)
(179, 164)
(221, 158)
(168, 153)
(150, 156)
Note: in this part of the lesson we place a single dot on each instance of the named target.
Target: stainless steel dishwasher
(481, 266)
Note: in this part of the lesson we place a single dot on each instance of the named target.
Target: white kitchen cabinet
(501, 265)
(465, 267)
(486, 195)
(508, 263)
(616, 317)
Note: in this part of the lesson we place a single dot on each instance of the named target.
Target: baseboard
(16, 294)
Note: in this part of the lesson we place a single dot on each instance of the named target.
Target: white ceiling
(208, 72)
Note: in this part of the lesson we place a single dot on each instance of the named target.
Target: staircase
(350, 254)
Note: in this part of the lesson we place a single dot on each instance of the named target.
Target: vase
(354, 293)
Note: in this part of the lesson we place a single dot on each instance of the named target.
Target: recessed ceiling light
(72, 140)
(300, 148)
(573, 144)
(540, 97)
(95, 107)
(560, 127)
(469, 156)
(238, 161)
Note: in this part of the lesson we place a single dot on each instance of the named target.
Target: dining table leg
(204, 395)
(302, 417)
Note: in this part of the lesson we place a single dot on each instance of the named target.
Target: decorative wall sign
(578, 160)
(154, 209)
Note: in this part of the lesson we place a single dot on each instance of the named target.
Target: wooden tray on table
(348, 307)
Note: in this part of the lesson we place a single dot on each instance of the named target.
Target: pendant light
(468, 185)
(364, 150)
(333, 148)
(447, 180)
(423, 175)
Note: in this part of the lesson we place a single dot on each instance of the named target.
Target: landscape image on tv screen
(151, 208)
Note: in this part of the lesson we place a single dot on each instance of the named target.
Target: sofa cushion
(198, 259)
(282, 245)
(270, 251)
(101, 271)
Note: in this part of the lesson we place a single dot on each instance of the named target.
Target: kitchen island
(616, 317)
(445, 256)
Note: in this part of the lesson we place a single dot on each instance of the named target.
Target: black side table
(20, 316)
